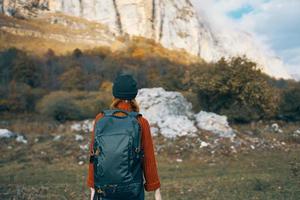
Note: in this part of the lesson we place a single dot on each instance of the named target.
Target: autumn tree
(77, 53)
(73, 79)
(290, 103)
(7, 59)
(59, 106)
(26, 71)
(236, 88)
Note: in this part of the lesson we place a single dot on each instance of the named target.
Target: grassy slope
(47, 169)
(258, 175)
(27, 173)
(38, 45)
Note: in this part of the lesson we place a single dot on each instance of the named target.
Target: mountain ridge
(173, 23)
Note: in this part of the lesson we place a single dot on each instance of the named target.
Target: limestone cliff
(173, 23)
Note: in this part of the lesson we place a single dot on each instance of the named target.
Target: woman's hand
(157, 194)
(92, 193)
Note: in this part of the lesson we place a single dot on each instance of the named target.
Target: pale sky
(276, 23)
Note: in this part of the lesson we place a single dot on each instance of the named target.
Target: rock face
(23, 8)
(215, 123)
(84, 126)
(173, 23)
(170, 114)
(5, 133)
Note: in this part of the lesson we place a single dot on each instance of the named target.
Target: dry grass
(37, 46)
(47, 169)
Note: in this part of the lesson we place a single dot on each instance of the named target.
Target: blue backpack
(118, 157)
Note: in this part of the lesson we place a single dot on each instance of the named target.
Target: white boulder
(21, 139)
(57, 138)
(76, 126)
(84, 147)
(204, 144)
(85, 126)
(215, 123)
(173, 126)
(170, 112)
(80, 162)
(275, 127)
(78, 137)
(297, 133)
(5, 133)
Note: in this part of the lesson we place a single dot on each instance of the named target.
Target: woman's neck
(124, 105)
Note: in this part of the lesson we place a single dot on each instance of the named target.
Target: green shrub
(236, 88)
(73, 79)
(76, 105)
(59, 106)
(19, 97)
(91, 103)
(290, 104)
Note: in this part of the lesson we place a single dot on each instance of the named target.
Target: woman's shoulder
(143, 121)
(98, 116)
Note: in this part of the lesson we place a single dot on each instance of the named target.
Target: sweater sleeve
(90, 178)
(149, 162)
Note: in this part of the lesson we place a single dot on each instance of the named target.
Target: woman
(124, 92)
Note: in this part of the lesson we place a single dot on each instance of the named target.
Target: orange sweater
(149, 162)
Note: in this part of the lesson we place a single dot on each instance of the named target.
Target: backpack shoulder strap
(107, 112)
(110, 112)
(134, 114)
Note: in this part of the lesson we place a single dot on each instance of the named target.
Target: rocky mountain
(173, 23)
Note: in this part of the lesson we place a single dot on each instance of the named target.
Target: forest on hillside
(77, 85)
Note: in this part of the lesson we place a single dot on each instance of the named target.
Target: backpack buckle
(100, 191)
(97, 151)
(112, 188)
(137, 150)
